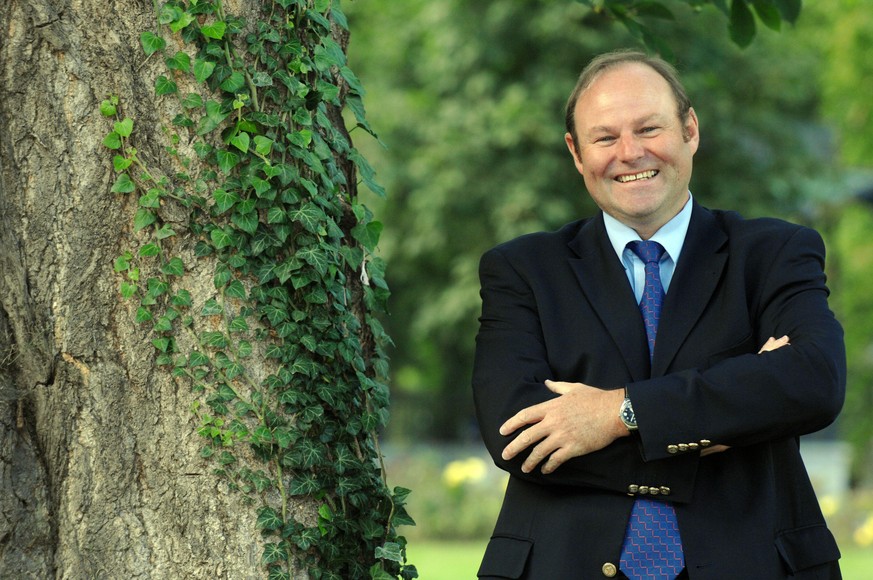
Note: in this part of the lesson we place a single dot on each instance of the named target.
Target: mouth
(637, 176)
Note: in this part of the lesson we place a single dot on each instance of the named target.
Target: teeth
(636, 176)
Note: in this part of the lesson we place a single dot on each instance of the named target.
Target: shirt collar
(671, 235)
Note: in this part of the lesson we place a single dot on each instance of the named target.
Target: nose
(630, 148)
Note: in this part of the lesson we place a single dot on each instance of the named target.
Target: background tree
(210, 298)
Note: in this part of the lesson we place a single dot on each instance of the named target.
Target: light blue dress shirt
(671, 236)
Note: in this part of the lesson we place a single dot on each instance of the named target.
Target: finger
(524, 417)
(524, 440)
(714, 449)
(767, 345)
(537, 455)
(558, 387)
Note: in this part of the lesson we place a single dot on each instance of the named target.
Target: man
(682, 417)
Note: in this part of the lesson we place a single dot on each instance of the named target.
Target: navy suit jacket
(558, 306)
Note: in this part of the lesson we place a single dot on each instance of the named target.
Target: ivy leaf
(227, 160)
(315, 257)
(248, 222)
(182, 298)
(262, 79)
(269, 519)
(235, 290)
(275, 215)
(192, 101)
(175, 267)
(211, 308)
(152, 198)
(157, 287)
(224, 200)
(220, 239)
(273, 553)
(143, 315)
(263, 145)
(142, 219)
(304, 484)
(151, 43)
(127, 290)
(212, 119)
(203, 69)
(241, 141)
(368, 234)
(389, 551)
(164, 232)
(238, 324)
(234, 82)
(124, 127)
(368, 174)
(161, 344)
(180, 61)
(124, 184)
(108, 108)
(164, 86)
(309, 215)
(213, 339)
(215, 30)
(184, 20)
(112, 141)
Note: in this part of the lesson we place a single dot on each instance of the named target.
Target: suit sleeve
(749, 399)
(510, 368)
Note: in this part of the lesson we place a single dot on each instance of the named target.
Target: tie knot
(648, 251)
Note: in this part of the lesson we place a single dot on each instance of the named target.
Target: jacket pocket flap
(804, 548)
(505, 557)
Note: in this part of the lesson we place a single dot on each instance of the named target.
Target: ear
(577, 157)
(692, 131)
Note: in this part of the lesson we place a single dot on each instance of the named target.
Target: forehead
(622, 92)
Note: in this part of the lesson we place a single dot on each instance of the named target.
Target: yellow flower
(829, 505)
(864, 534)
(459, 472)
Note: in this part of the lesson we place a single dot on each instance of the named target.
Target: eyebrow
(641, 121)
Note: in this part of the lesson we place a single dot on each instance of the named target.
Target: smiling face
(632, 149)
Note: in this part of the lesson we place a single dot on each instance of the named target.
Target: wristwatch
(626, 413)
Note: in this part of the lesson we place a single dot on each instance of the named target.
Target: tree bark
(99, 469)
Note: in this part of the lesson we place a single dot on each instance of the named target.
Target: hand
(582, 420)
(774, 343)
(771, 344)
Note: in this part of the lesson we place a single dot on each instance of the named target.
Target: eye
(651, 129)
(604, 140)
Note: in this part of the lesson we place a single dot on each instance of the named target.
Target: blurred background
(467, 97)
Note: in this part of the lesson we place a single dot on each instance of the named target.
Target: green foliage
(286, 356)
(635, 15)
(469, 99)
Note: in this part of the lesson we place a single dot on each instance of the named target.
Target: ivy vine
(265, 180)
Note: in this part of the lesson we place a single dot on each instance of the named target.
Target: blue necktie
(652, 548)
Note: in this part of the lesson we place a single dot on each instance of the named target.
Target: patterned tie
(652, 548)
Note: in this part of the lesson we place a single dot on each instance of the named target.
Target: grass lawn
(460, 560)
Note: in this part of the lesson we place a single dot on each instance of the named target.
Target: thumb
(558, 387)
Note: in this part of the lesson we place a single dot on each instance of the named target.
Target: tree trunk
(99, 469)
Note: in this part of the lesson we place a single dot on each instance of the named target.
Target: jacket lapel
(604, 284)
(695, 279)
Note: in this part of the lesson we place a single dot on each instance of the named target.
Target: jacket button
(665, 490)
(609, 570)
(683, 447)
(644, 489)
(672, 449)
(705, 442)
(693, 446)
(654, 490)
(633, 488)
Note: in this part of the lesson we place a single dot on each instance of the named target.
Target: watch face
(627, 414)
